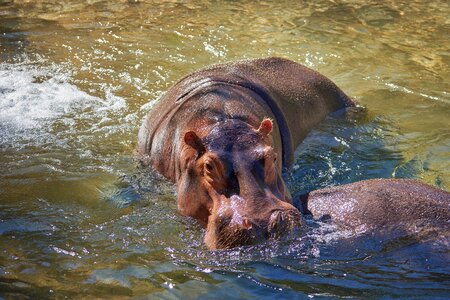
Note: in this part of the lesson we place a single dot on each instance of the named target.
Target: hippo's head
(231, 182)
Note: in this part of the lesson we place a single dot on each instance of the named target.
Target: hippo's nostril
(247, 224)
(282, 222)
(275, 218)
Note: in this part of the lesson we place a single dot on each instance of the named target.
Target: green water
(79, 218)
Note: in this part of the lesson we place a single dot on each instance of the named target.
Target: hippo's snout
(232, 227)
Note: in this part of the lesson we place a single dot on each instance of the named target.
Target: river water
(78, 216)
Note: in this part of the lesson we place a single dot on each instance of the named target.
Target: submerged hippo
(224, 134)
(406, 206)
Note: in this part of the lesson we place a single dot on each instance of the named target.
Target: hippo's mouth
(233, 235)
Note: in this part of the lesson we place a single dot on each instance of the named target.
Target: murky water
(79, 218)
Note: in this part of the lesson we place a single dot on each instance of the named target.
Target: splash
(34, 99)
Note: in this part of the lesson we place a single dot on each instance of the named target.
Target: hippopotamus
(225, 134)
(402, 205)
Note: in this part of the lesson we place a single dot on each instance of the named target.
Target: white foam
(33, 98)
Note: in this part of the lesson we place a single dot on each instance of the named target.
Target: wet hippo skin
(224, 134)
(381, 204)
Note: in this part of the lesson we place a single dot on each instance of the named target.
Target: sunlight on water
(80, 218)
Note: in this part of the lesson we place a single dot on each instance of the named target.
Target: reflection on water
(78, 217)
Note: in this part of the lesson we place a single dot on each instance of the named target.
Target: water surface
(79, 218)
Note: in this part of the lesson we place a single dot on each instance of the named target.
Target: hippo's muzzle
(230, 226)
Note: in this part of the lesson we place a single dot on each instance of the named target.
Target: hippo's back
(299, 98)
(303, 96)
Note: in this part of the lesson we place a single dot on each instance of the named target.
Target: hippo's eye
(208, 166)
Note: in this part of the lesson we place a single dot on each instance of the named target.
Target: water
(80, 218)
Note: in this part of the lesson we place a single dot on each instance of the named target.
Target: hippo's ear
(266, 126)
(192, 139)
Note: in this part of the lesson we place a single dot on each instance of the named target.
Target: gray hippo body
(406, 206)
